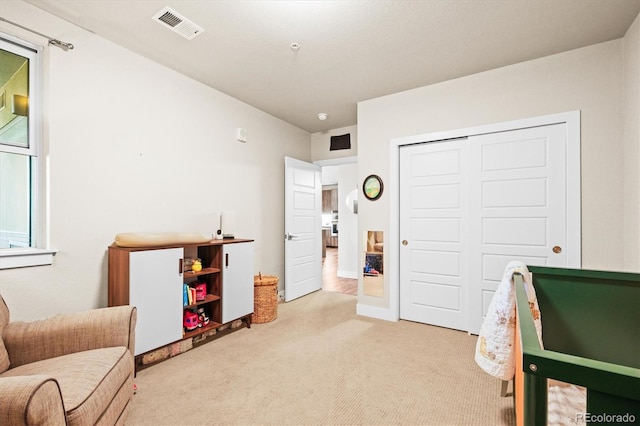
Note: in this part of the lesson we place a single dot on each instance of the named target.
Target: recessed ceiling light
(295, 46)
(323, 116)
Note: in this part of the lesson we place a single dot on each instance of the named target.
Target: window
(22, 234)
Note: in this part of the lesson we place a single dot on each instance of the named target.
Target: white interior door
(302, 227)
(518, 207)
(433, 253)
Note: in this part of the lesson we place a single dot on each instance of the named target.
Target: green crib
(591, 336)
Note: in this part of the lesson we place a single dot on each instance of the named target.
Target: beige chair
(71, 369)
(375, 242)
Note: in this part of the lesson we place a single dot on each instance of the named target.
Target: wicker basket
(265, 298)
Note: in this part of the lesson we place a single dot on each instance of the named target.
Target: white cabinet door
(237, 281)
(155, 288)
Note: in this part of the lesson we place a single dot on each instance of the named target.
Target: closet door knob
(405, 242)
(557, 249)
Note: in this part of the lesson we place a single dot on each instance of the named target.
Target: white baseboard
(375, 312)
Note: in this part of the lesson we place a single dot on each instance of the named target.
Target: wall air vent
(178, 23)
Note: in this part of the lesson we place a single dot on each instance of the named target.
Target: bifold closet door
(470, 206)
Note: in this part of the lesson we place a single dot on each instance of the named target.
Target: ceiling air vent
(177, 23)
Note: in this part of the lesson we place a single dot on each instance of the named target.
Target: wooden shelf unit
(148, 278)
(208, 299)
(199, 331)
(204, 271)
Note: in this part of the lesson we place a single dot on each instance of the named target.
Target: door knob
(289, 237)
(557, 249)
(405, 242)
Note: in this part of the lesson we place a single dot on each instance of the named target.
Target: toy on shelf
(193, 264)
(203, 319)
(190, 321)
(196, 266)
(369, 270)
(201, 290)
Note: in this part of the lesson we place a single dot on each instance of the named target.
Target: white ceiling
(350, 50)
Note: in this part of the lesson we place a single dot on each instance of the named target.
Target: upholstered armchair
(70, 369)
(375, 242)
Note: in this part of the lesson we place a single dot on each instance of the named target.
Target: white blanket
(495, 349)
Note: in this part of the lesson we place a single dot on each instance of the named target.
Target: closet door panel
(517, 207)
(468, 207)
(433, 274)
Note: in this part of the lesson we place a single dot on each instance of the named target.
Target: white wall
(631, 148)
(587, 79)
(348, 224)
(136, 147)
(320, 143)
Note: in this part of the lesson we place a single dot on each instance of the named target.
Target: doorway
(330, 279)
(339, 226)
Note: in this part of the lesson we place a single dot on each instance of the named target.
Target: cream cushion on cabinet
(141, 239)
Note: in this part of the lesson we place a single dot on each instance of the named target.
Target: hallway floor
(330, 279)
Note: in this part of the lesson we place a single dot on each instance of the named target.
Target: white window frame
(39, 253)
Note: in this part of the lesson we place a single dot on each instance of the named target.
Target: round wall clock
(372, 187)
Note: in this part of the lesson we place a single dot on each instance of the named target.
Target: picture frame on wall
(372, 187)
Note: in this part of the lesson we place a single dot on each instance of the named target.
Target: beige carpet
(319, 363)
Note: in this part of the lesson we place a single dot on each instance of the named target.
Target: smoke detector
(177, 23)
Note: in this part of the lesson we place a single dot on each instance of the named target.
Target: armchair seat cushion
(88, 381)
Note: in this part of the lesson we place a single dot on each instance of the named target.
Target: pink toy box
(201, 291)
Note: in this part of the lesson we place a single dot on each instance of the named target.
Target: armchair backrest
(4, 320)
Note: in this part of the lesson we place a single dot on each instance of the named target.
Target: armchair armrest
(27, 342)
(30, 400)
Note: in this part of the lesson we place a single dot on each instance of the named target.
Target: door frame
(574, 244)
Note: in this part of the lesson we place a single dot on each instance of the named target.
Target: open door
(302, 227)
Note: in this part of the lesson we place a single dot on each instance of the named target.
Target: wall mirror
(373, 270)
(352, 201)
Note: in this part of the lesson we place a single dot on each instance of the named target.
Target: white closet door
(470, 206)
(517, 207)
(433, 253)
